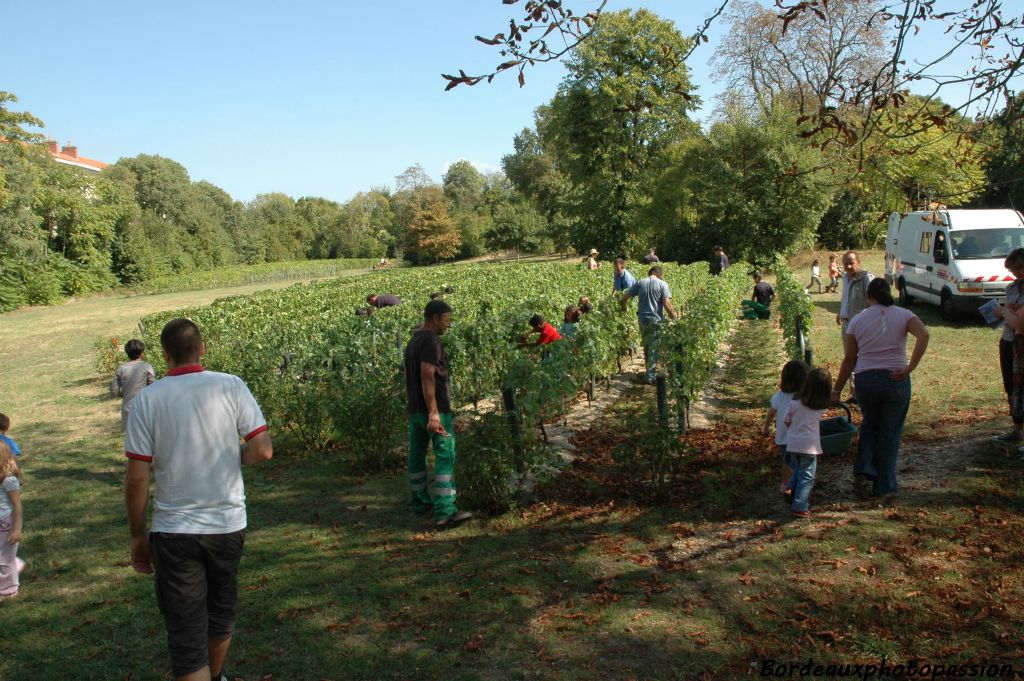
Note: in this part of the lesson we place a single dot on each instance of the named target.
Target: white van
(952, 258)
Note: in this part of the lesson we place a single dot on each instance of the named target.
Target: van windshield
(985, 244)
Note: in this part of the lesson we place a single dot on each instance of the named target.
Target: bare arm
(257, 450)
(136, 494)
(917, 328)
(15, 536)
(846, 368)
(1013, 320)
(430, 397)
(768, 418)
(671, 310)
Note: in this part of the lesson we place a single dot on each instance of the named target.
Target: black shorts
(197, 592)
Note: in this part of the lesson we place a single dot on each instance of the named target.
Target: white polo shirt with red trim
(188, 425)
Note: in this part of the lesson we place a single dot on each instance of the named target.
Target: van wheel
(905, 299)
(946, 308)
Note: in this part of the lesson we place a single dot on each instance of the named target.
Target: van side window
(941, 253)
(926, 242)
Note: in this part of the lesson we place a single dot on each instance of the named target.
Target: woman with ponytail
(876, 356)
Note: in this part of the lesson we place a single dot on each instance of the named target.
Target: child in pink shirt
(803, 440)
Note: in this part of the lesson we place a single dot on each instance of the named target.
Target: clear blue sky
(309, 98)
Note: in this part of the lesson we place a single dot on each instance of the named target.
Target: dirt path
(734, 404)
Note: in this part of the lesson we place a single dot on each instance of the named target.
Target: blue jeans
(649, 337)
(804, 467)
(884, 405)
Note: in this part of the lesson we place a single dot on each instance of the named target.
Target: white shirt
(780, 403)
(188, 425)
(9, 484)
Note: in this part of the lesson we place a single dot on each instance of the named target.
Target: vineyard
(328, 377)
(240, 275)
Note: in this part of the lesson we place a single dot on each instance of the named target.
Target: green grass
(957, 383)
(339, 582)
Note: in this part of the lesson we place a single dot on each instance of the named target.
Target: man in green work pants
(430, 417)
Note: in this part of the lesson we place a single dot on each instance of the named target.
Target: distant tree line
(614, 161)
(65, 231)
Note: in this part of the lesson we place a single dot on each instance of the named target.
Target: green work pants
(443, 491)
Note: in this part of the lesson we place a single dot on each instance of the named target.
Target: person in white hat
(592, 263)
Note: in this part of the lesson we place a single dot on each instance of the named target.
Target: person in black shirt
(720, 261)
(381, 301)
(651, 258)
(428, 403)
(763, 291)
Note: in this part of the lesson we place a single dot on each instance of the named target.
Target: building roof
(68, 155)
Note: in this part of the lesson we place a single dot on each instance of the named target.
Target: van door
(918, 274)
(940, 270)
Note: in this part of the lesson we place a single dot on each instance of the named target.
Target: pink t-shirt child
(804, 434)
(881, 333)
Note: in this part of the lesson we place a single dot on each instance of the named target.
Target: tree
(463, 187)
(159, 183)
(623, 102)
(21, 234)
(808, 62)
(980, 29)
(749, 185)
(928, 162)
(1004, 166)
(12, 124)
(516, 226)
(432, 234)
(286, 234)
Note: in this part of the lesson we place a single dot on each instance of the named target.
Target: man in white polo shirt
(186, 428)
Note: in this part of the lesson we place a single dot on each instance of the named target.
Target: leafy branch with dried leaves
(855, 111)
(552, 20)
(560, 29)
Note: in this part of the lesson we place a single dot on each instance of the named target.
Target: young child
(10, 523)
(546, 332)
(833, 274)
(5, 425)
(803, 439)
(793, 375)
(131, 377)
(570, 319)
(584, 305)
(815, 275)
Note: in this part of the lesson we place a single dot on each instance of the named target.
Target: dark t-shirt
(425, 346)
(386, 300)
(763, 293)
(649, 259)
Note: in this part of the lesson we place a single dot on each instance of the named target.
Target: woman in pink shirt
(876, 355)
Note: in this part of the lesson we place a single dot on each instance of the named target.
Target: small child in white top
(10, 523)
(793, 374)
(803, 440)
(815, 276)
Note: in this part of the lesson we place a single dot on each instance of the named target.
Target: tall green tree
(21, 234)
(1004, 163)
(624, 102)
(749, 185)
